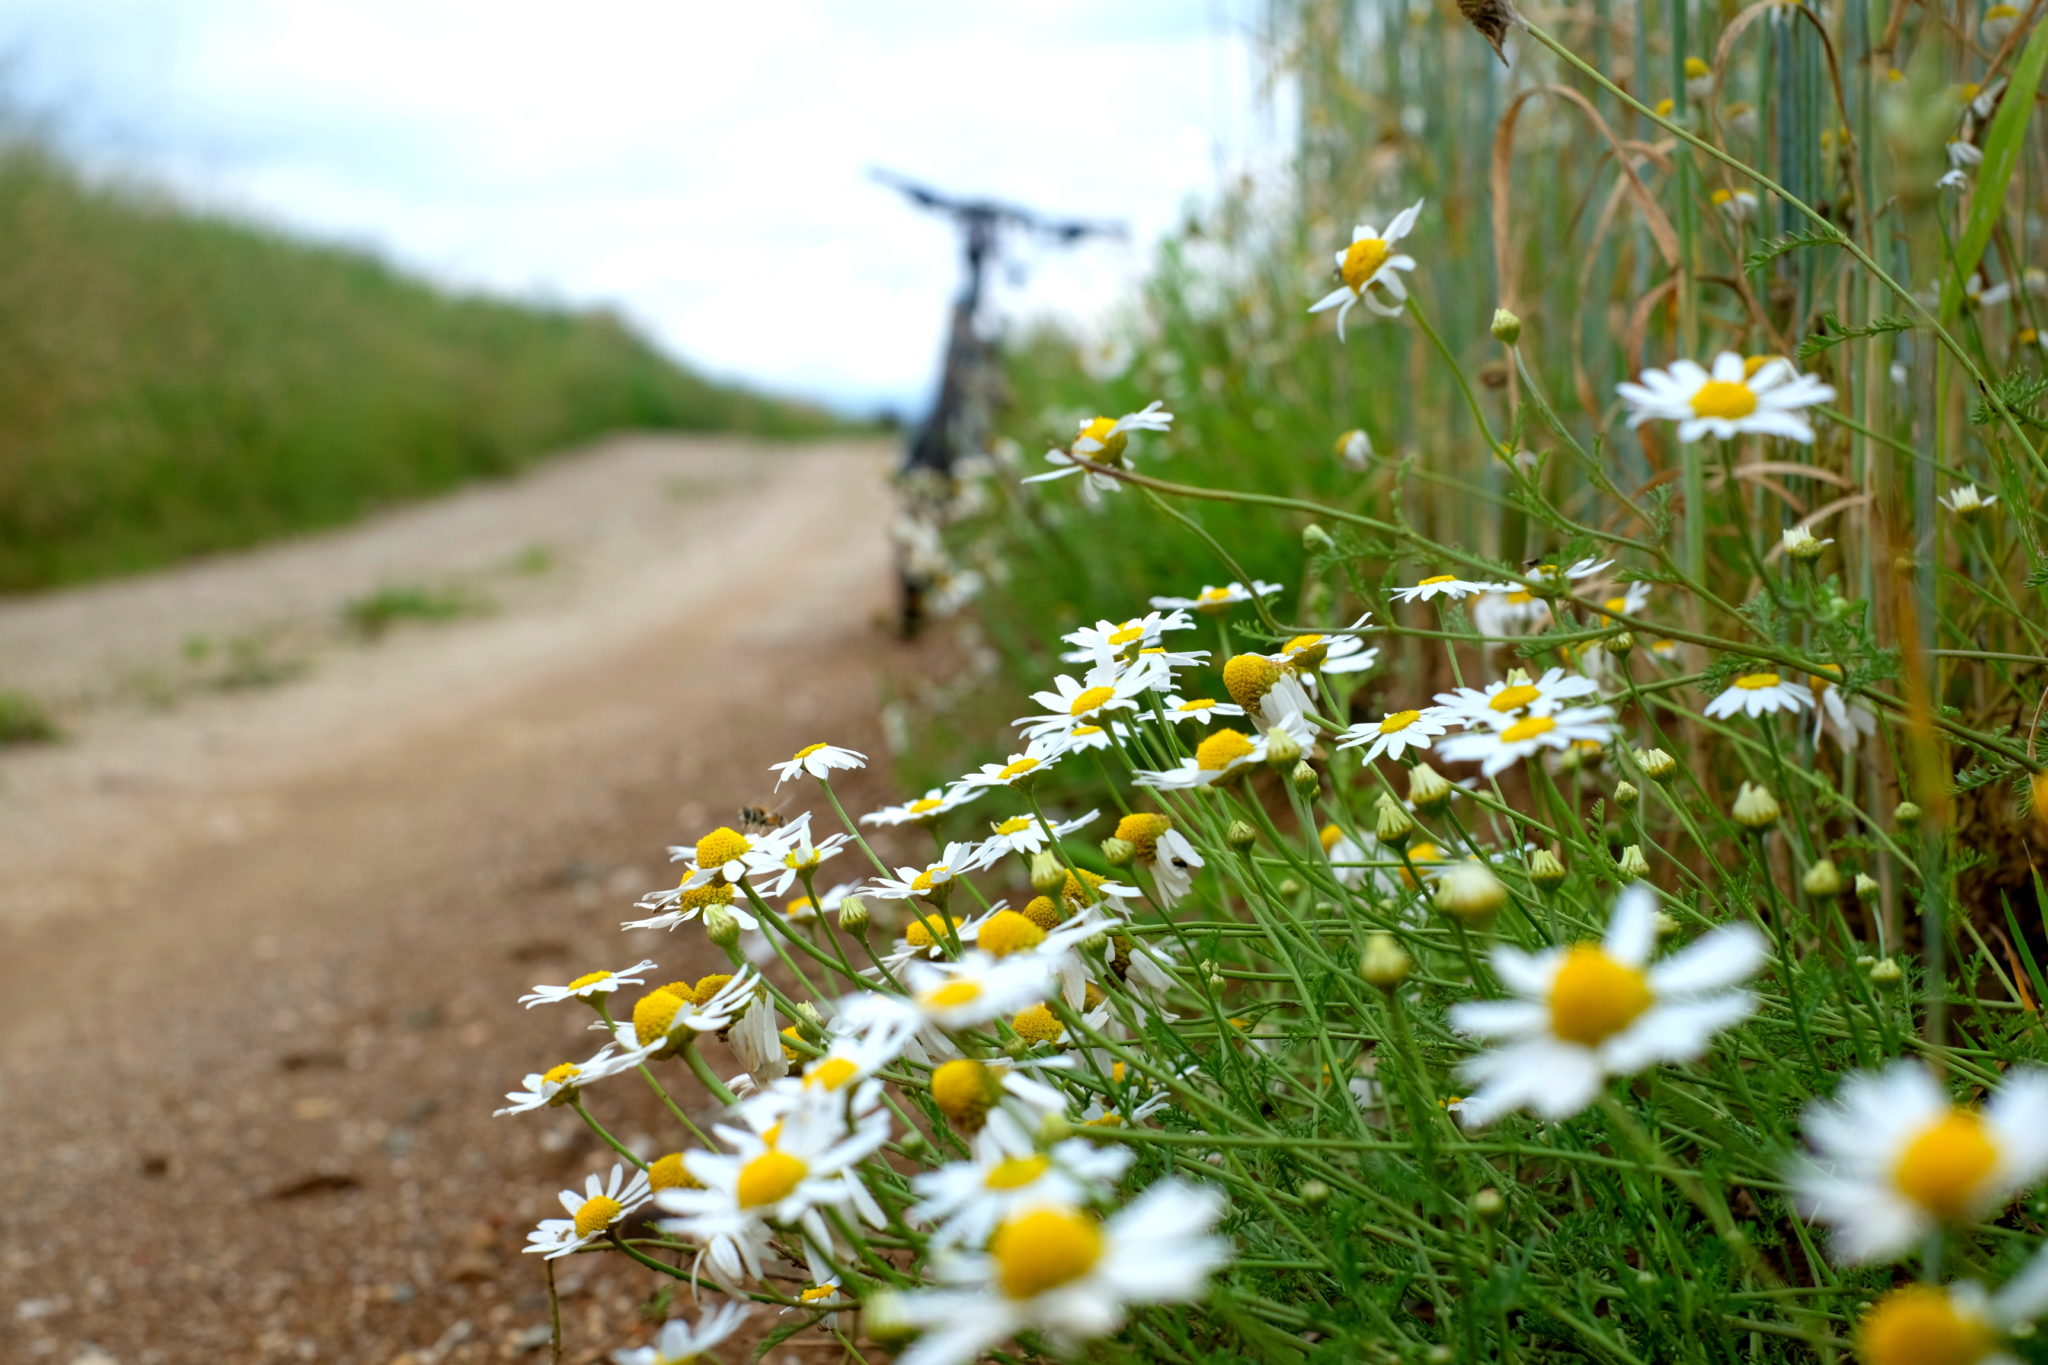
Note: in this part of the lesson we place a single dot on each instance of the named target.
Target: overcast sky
(701, 166)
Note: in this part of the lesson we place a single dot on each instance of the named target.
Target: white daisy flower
(1059, 1270)
(1800, 543)
(588, 985)
(1731, 400)
(759, 1183)
(1759, 694)
(1510, 610)
(1849, 721)
(1954, 1324)
(1894, 1157)
(965, 1201)
(1024, 834)
(1086, 738)
(1354, 448)
(1179, 708)
(1215, 601)
(842, 1080)
(1173, 867)
(2033, 280)
(1967, 502)
(680, 1342)
(1739, 205)
(1440, 585)
(949, 996)
(1513, 696)
(1630, 601)
(1496, 750)
(933, 879)
(1104, 441)
(1228, 753)
(1584, 1013)
(1369, 270)
(800, 858)
(686, 901)
(726, 854)
(559, 1084)
(1089, 702)
(1396, 734)
(602, 1204)
(1040, 754)
(1109, 640)
(924, 809)
(664, 1019)
(1998, 23)
(1329, 653)
(819, 761)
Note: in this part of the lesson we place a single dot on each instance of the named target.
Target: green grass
(24, 720)
(374, 613)
(174, 383)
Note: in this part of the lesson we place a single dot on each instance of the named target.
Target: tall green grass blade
(2003, 142)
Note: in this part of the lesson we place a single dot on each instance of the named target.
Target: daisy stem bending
(705, 1074)
(576, 1103)
(1457, 374)
(675, 1109)
(851, 828)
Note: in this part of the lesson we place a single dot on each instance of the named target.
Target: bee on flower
(1732, 399)
(1759, 694)
(819, 761)
(1103, 441)
(1397, 733)
(1215, 601)
(1369, 269)
(1577, 1015)
(601, 1205)
(1895, 1158)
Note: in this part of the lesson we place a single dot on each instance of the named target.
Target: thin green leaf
(2003, 141)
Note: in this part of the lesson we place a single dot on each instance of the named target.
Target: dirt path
(260, 945)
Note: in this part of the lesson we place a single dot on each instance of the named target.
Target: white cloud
(703, 167)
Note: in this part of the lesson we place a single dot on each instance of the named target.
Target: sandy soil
(261, 941)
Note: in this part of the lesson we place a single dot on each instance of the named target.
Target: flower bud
(1620, 644)
(1314, 1193)
(1664, 923)
(1822, 880)
(1048, 875)
(1055, 1128)
(1625, 794)
(1633, 866)
(1316, 540)
(853, 916)
(1867, 888)
(1283, 750)
(1546, 869)
(1241, 835)
(1305, 780)
(1906, 815)
(1487, 1204)
(1428, 790)
(1507, 328)
(1803, 545)
(1886, 972)
(1384, 963)
(1289, 888)
(1755, 808)
(720, 926)
(884, 1318)
(1656, 765)
(1392, 824)
(1118, 852)
(1469, 890)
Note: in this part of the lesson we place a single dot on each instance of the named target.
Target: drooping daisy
(1497, 749)
(924, 809)
(1967, 502)
(1090, 701)
(1894, 1157)
(1584, 1013)
(1227, 754)
(1849, 720)
(1174, 865)
(680, 1342)
(1062, 1271)
(559, 1084)
(1179, 708)
(1759, 694)
(1266, 690)
(1007, 1173)
(819, 761)
(1369, 270)
(1515, 695)
(1104, 441)
(1727, 401)
(1396, 734)
(1087, 738)
(588, 985)
(1440, 585)
(602, 1204)
(1215, 601)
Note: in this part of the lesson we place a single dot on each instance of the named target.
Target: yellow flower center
(1007, 932)
(1194, 706)
(561, 1075)
(1617, 604)
(831, 1073)
(1919, 1325)
(1307, 650)
(1514, 698)
(1213, 595)
(669, 1173)
(596, 1215)
(1721, 196)
(1141, 831)
(923, 881)
(589, 979)
(1439, 578)
(818, 1293)
(654, 1015)
(769, 1178)
(1042, 912)
(1016, 824)
(1399, 721)
(801, 754)
(1330, 834)
(1044, 1249)
(2002, 12)
(1220, 750)
(1696, 68)
(1756, 682)
(1090, 700)
(1017, 1172)
(952, 995)
(1529, 727)
(964, 1089)
(1080, 730)
(701, 897)
(1248, 678)
(1016, 769)
(1038, 1024)
(1594, 997)
(1723, 398)
(708, 986)
(1103, 430)
(1362, 260)
(923, 804)
(1947, 1165)
(918, 933)
(720, 847)
(1130, 633)
(1081, 887)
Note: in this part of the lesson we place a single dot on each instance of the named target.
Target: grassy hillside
(173, 382)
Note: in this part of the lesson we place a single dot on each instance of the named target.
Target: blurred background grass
(174, 382)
